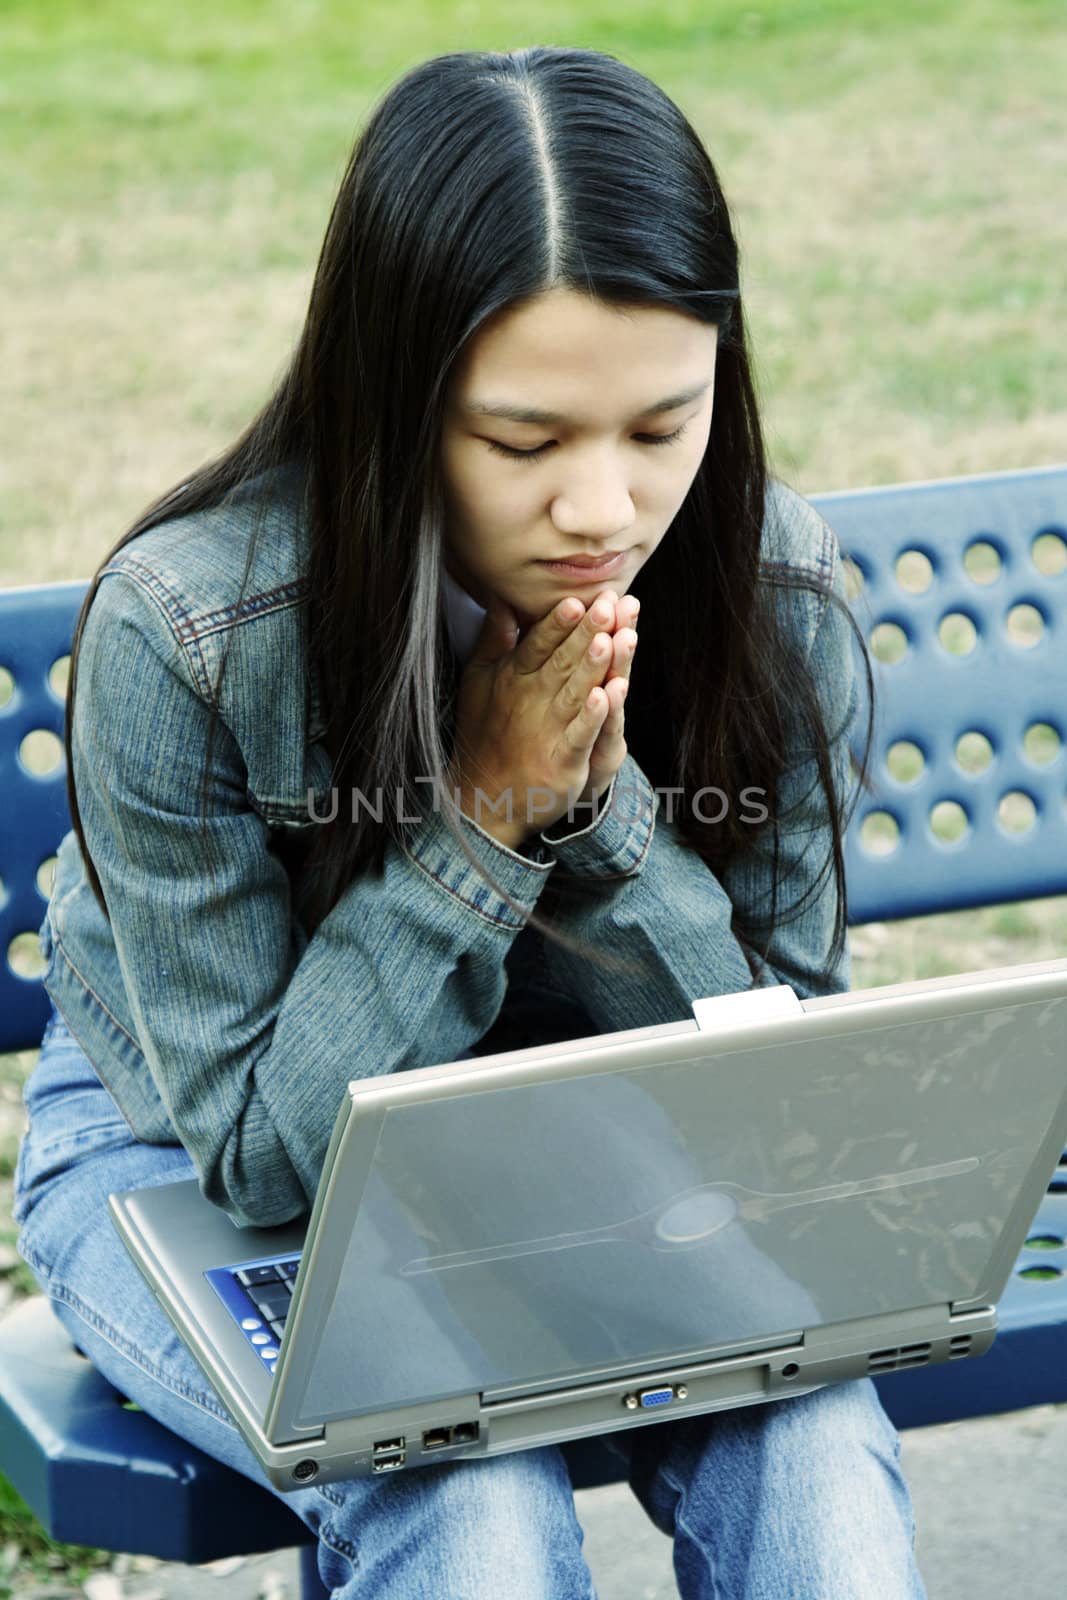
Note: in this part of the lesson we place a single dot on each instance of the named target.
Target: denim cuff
(433, 849)
(614, 844)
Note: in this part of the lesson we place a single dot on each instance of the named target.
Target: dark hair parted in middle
(482, 180)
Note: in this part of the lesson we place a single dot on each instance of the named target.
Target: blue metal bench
(98, 1474)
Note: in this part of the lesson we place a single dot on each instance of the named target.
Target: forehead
(513, 412)
(562, 354)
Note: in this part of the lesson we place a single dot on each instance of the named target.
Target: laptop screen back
(558, 1229)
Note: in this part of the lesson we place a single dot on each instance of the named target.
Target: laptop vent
(908, 1355)
(959, 1345)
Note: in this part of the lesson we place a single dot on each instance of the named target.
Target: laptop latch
(750, 1005)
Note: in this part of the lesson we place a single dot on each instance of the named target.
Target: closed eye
(532, 455)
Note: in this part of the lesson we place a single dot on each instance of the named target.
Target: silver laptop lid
(553, 1215)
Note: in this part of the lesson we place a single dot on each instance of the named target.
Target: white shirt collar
(464, 617)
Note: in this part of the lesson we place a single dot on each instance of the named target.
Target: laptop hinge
(750, 1005)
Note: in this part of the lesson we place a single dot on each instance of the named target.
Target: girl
(357, 786)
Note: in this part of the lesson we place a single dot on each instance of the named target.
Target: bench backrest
(968, 577)
(987, 546)
(36, 628)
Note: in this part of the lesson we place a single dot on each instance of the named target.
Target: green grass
(28, 1550)
(893, 173)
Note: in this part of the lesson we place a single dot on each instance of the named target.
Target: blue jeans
(796, 1499)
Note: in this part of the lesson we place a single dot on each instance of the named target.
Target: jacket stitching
(626, 847)
(193, 625)
(648, 842)
(496, 921)
(791, 566)
(278, 599)
(827, 565)
(90, 990)
(827, 558)
(618, 877)
(824, 566)
(178, 624)
(150, 580)
(164, 598)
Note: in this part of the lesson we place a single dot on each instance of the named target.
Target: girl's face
(583, 386)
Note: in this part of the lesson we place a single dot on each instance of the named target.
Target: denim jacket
(213, 1019)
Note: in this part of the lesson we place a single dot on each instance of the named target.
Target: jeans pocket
(44, 1159)
(47, 1151)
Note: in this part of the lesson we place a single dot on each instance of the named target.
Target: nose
(595, 505)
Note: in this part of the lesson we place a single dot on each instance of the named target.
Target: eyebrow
(492, 408)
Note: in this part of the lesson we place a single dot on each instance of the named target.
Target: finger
(626, 612)
(624, 646)
(605, 751)
(573, 652)
(544, 636)
(591, 670)
(581, 732)
(615, 720)
(616, 692)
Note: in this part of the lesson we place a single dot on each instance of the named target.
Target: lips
(586, 561)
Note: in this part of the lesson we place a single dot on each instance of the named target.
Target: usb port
(388, 1444)
(656, 1397)
(434, 1438)
(388, 1463)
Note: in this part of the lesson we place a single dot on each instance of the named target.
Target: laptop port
(434, 1438)
(464, 1432)
(656, 1397)
(388, 1463)
(388, 1444)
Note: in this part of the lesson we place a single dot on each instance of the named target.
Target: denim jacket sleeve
(645, 894)
(249, 1038)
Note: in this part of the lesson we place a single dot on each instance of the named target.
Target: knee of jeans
(500, 1525)
(526, 1491)
(824, 1427)
(840, 1412)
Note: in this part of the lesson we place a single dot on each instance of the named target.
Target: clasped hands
(618, 619)
(540, 711)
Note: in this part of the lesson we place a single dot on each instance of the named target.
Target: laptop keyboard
(257, 1295)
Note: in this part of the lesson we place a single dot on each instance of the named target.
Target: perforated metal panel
(1010, 687)
(36, 627)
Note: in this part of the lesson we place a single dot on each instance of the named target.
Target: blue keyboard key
(253, 1275)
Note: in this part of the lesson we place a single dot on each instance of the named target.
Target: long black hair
(480, 181)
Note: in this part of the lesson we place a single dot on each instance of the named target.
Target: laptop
(569, 1240)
